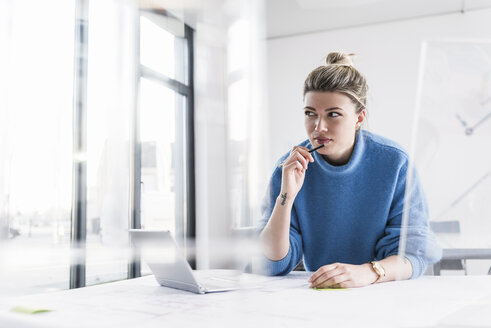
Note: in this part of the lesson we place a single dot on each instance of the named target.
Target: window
(166, 125)
(73, 181)
(36, 142)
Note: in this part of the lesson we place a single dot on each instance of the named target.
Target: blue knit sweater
(353, 213)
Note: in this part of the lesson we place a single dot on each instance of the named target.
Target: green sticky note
(28, 310)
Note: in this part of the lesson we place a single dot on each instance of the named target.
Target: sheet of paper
(274, 301)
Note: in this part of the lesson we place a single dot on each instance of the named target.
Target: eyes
(311, 114)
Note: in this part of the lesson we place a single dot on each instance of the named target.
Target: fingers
(299, 158)
(299, 154)
(296, 165)
(305, 153)
(341, 275)
(339, 281)
(323, 274)
(344, 284)
(322, 270)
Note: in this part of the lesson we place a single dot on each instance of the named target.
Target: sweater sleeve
(290, 261)
(421, 245)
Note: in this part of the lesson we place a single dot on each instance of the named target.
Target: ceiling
(294, 17)
(285, 18)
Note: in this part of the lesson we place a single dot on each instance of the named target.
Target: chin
(324, 151)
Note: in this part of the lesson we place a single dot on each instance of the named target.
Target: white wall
(388, 56)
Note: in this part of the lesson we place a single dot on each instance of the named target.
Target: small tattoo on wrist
(283, 198)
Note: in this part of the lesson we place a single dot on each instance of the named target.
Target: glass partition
(451, 141)
(39, 88)
(158, 138)
(36, 145)
(110, 105)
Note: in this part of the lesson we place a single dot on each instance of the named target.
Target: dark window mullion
(190, 188)
(79, 195)
(134, 266)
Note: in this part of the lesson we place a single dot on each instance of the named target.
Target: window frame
(79, 174)
(187, 91)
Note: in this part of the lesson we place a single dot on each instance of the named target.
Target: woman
(340, 207)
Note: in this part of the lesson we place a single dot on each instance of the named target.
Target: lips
(321, 141)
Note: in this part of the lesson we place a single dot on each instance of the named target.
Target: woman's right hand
(294, 168)
(275, 236)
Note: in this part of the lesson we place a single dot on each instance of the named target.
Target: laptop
(170, 268)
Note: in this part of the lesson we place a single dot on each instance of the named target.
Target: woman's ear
(361, 118)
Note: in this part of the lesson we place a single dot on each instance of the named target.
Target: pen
(310, 151)
(314, 149)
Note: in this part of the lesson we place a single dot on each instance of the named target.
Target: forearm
(352, 275)
(275, 237)
(396, 269)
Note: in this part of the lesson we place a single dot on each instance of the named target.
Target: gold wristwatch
(379, 270)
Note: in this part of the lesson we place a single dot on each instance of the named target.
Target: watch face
(380, 269)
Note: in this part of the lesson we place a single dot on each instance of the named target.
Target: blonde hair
(339, 75)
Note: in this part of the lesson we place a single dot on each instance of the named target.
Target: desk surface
(446, 301)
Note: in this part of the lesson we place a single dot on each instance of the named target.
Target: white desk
(447, 301)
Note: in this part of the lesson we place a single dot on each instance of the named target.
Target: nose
(321, 125)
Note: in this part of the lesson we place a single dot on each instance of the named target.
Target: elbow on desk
(429, 255)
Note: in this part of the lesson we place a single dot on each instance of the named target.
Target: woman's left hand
(341, 275)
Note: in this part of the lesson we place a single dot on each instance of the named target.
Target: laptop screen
(164, 258)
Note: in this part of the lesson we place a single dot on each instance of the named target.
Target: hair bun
(339, 59)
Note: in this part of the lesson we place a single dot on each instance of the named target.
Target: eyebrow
(327, 109)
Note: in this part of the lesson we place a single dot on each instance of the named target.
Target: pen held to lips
(314, 149)
(310, 151)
